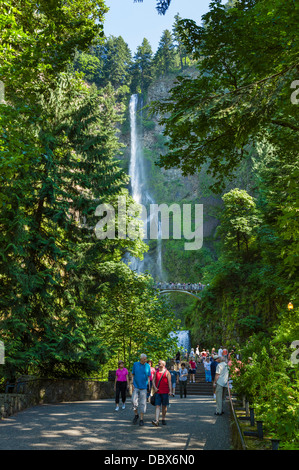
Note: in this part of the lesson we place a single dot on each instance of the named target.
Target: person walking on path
(192, 370)
(121, 384)
(183, 376)
(224, 354)
(141, 374)
(214, 364)
(174, 374)
(197, 353)
(207, 366)
(153, 370)
(220, 384)
(163, 388)
(178, 360)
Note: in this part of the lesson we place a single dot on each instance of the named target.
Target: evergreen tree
(180, 48)
(116, 59)
(142, 68)
(164, 58)
(50, 257)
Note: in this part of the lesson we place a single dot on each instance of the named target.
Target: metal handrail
(236, 419)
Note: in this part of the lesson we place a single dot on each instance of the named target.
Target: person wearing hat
(220, 384)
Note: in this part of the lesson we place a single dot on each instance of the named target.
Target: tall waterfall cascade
(140, 191)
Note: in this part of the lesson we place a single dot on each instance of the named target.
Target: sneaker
(164, 422)
(135, 419)
(123, 407)
(141, 423)
(117, 408)
(155, 423)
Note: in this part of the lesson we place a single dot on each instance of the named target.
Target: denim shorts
(162, 399)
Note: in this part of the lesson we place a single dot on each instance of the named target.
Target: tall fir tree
(50, 255)
(142, 68)
(164, 58)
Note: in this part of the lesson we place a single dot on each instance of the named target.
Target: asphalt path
(95, 425)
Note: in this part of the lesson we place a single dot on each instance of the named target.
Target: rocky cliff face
(192, 189)
(170, 186)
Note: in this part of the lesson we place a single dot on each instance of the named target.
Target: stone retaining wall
(38, 391)
(11, 403)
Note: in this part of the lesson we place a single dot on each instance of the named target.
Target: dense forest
(220, 126)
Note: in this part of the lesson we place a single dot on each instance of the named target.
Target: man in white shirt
(220, 351)
(220, 383)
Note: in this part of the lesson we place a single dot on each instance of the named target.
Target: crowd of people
(188, 286)
(148, 381)
(157, 384)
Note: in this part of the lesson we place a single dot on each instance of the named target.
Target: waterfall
(141, 193)
(183, 339)
(135, 162)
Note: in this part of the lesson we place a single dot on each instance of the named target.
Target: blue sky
(135, 21)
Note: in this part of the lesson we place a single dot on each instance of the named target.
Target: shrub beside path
(94, 425)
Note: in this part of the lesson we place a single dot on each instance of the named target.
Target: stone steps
(200, 387)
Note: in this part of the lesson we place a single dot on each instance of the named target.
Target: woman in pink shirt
(121, 384)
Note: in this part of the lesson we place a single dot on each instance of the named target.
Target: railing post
(260, 429)
(251, 410)
(275, 443)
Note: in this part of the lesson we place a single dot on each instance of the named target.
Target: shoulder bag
(153, 397)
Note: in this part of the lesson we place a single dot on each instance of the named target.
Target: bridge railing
(180, 286)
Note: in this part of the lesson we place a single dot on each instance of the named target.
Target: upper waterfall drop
(134, 168)
(139, 188)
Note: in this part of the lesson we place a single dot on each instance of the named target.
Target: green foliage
(164, 58)
(58, 149)
(133, 320)
(238, 220)
(236, 109)
(50, 258)
(142, 68)
(247, 57)
(38, 39)
(270, 383)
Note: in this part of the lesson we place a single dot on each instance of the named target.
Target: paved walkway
(94, 425)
